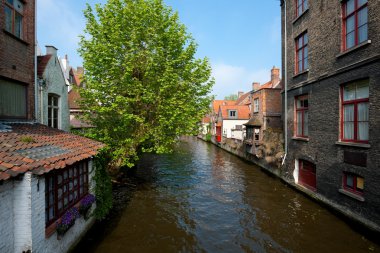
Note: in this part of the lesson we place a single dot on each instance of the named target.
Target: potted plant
(85, 205)
(67, 221)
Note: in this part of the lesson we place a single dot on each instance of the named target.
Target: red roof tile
(217, 103)
(243, 111)
(38, 148)
(42, 62)
(244, 99)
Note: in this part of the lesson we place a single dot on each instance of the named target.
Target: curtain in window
(299, 123)
(348, 122)
(363, 118)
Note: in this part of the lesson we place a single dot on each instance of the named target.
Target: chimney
(80, 71)
(51, 50)
(275, 75)
(255, 86)
(240, 93)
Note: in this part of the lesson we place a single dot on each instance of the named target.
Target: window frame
(345, 17)
(14, 14)
(355, 103)
(302, 110)
(305, 46)
(256, 105)
(82, 177)
(354, 189)
(232, 116)
(51, 109)
(304, 6)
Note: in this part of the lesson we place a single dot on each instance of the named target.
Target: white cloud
(230, 79)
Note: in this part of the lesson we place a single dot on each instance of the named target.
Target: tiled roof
(77, 123)
(243, 111)
(206, 120)
(73, 98)
(217, 103)
(40, 149)
(244, 99)
(253, 122)
(42, 62)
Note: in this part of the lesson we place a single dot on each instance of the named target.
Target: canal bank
(203, 199)
(237, 148)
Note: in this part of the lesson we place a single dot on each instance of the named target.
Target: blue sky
(242, 38)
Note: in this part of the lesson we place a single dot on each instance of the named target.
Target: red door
(307, 175)
(218, 134)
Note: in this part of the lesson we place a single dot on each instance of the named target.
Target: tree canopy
(232, 97)
(144, 86)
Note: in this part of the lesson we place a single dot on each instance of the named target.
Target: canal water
(203, 199)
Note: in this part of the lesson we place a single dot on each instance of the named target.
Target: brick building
(331, 53)
(17, 64)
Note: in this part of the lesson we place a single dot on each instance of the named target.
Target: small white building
(232, 118)
(44, 174)
(53, 108)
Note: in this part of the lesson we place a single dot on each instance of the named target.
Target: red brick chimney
(275, 75)
(255, 86)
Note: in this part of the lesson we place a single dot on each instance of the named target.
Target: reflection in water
(203, 199)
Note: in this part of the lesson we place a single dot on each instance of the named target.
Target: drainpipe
(36, 118)
(285, 86)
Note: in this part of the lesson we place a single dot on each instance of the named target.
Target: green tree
(232, 97)
(144, 86)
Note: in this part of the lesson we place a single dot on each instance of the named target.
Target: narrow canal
(203, 199)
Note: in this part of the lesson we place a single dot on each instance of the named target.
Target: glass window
(302, 6)
(302, 63)
(53, 110)
(355, 23)
(302, 116)
(14, 17)
(353, 183)
(355, 112)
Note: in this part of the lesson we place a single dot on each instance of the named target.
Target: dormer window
(14, 17)
(232, 114)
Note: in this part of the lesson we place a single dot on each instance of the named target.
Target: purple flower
(67, 220)
(87, 201)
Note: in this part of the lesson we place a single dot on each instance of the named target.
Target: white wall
(22, 217)
(6, 217)
(230, 124)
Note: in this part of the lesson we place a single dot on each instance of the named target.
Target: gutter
(285, 87)
(36, 118)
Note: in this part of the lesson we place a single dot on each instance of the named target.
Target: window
(355, 23)
(302, 53)
(302, 116)
(353, 183)
(355, 112)
(249, 133)
(63, 189)
(13, 17)
(257, 134)
(232, 113)
(238, 127)
(53, 110)
(302, 6)
(256, 105)
(12, 99)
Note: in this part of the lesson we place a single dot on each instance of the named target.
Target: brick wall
(17, 55)
(329, 68)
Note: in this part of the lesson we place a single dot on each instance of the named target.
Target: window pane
(305, 39)
(300, 66)
(18, 25)
(350, 6)
(350, 40)
(349, 92)
(8, 18)
(361, 2)
(306, 124)
(363, 112)
(363, 121)
(362, 89)
(305, 63)
(55, 101)
(10, 2)
(362, 16)
(360, 183)
(363, 33)
(350, 181)
(348, 124)
(299, 123)
(305, 5)
(350, 24)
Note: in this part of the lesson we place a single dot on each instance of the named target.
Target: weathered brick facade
(17, 59)
(330, 67)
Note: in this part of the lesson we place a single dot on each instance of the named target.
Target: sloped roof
(206, 120)
(253, 122)
(73, 98)
(42, 62)
(217, 103)
(243, 111)
(243, 99)
(40, 149)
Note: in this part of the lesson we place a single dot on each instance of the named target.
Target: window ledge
(301, 73)
(299, 16)
(15, 37)
(364, 43)
(353, 144)
(296, 138)
(352, 195)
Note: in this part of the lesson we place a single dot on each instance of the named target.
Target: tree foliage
(144, 86)
(232, 97)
